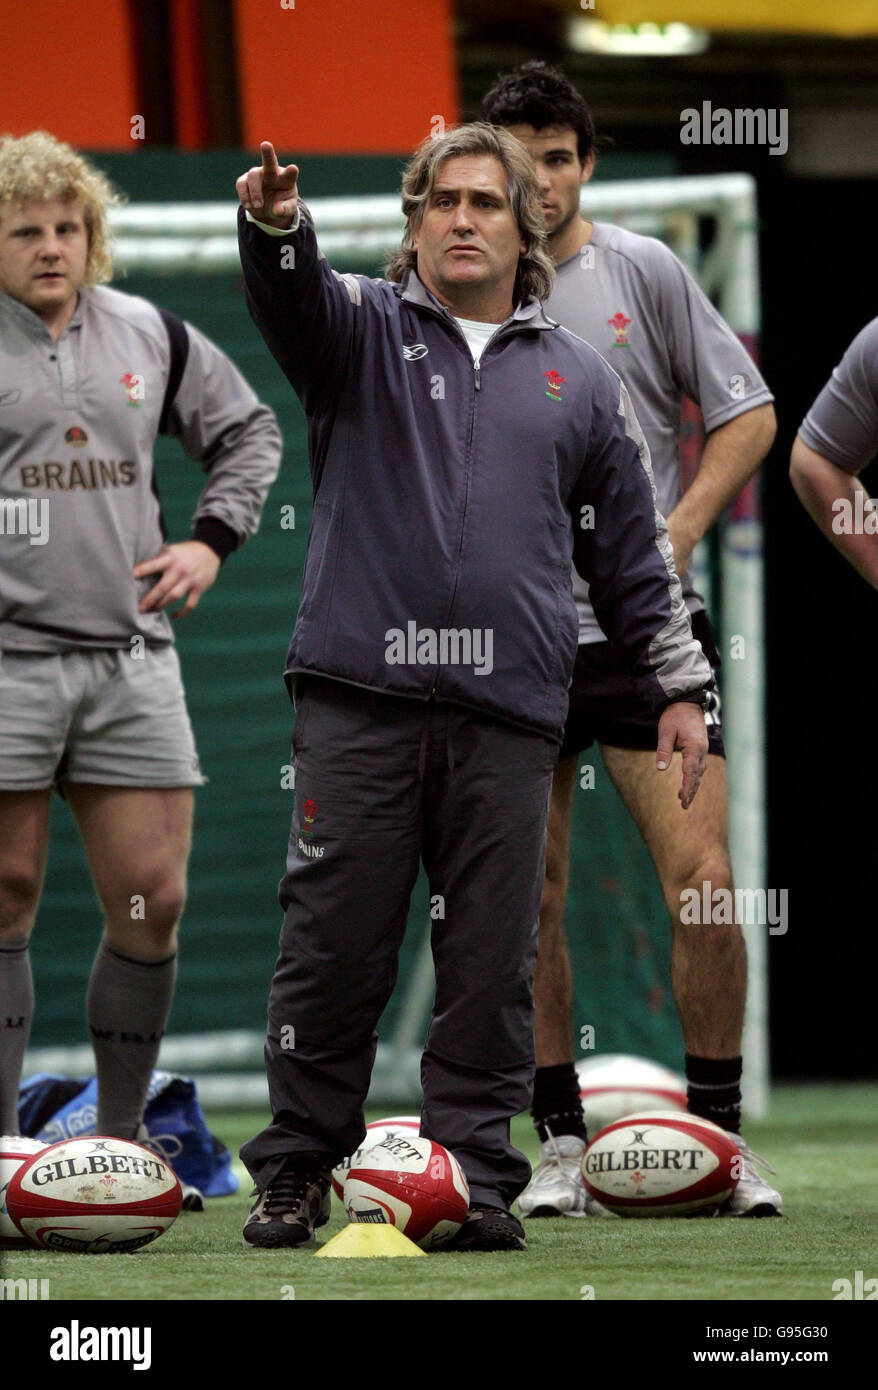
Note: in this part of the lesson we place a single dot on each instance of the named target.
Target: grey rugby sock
(16, 1016)
(128, 1004)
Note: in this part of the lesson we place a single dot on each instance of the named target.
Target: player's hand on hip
(187, 570)
(682, 727)
(269, 193)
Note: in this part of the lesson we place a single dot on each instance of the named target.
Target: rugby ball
(94, 1194)
(614, 1085)
(14, 1151)
(411, 1183)
(660, 1163)
(375, 1132)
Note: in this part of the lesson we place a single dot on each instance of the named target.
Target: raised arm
(268, 192)
(304, 311)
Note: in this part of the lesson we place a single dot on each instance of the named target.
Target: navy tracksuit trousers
(382, 781)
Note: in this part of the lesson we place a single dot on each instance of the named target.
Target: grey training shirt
(842, 424)
(78, 421)
(631, 298)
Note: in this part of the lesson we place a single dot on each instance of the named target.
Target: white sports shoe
(557, 1188)
(752, 1196)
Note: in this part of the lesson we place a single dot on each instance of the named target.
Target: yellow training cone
(368, 1240)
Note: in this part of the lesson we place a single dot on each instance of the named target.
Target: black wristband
(701, 698)
(215, 533)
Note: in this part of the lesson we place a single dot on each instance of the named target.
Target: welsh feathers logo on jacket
(555, 382)
(619, 324)
(135, 388)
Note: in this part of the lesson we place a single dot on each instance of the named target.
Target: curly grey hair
(536, 274)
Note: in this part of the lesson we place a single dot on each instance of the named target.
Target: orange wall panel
(68, 68)
(345, 76)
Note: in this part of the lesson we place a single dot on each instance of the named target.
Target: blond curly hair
(536, 273)
(37, 168)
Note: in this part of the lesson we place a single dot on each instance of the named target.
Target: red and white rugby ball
(14, 1151)
(375, 1132)
(94, 1194)
(615, 1085)
(661, 1164)
(411, 1183)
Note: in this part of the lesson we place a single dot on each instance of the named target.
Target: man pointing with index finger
(464, 449)
(270, 190)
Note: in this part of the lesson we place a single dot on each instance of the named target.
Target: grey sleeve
(708, 361)
(220, 421)
(842, 424)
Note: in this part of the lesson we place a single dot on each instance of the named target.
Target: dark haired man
(631, 298)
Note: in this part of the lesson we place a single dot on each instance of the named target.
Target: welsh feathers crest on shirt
(619, 324)
(135, 388)
(554, 382)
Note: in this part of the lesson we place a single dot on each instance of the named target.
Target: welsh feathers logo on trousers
(309, 809)
(305, 840)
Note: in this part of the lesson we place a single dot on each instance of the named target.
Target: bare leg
(24, 844)
(553, 983)
(137, 841)
(708, 962)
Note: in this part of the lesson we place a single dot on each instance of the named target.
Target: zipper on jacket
(468, 463)
(447, 317)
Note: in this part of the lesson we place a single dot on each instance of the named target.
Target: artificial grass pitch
(823, 1141)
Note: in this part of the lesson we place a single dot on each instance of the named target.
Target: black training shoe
(489, 1228)
(288, 1211)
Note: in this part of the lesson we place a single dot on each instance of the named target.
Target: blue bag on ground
(54, 1107)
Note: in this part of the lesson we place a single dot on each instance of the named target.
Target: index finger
(694, 765)
(269, 158)
(152, 565)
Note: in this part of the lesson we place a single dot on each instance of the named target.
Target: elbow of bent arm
(806, 468)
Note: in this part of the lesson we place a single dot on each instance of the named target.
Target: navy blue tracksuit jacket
(453, 497)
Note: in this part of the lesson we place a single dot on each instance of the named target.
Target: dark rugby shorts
(605, 706)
